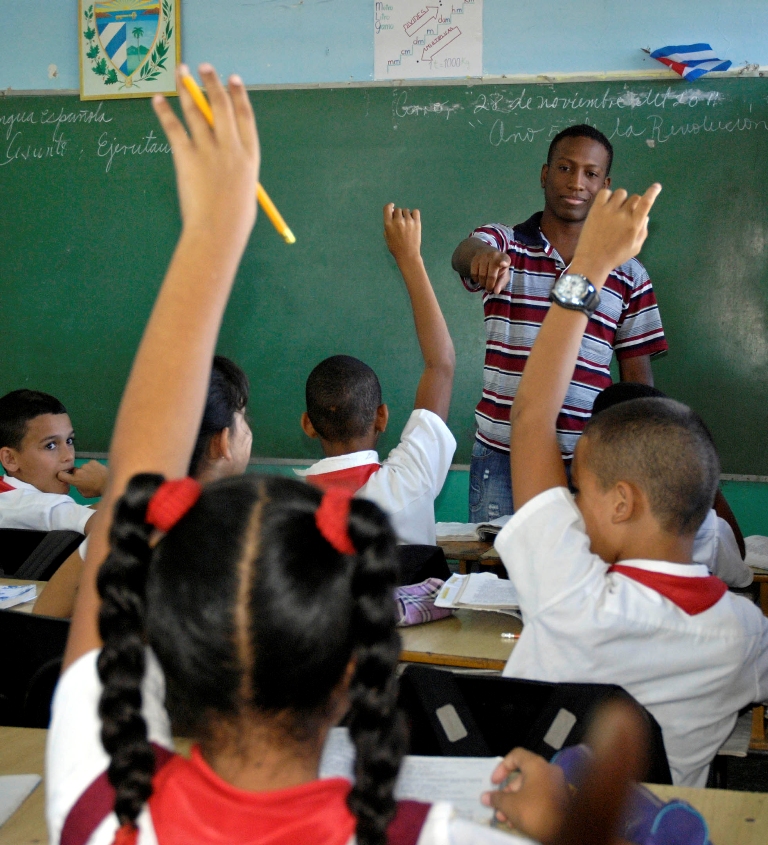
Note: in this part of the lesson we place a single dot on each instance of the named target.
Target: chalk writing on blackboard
(655, 116)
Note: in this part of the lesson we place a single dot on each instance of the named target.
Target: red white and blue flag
(690, 60)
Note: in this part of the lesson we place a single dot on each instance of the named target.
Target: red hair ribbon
(332, 517)
(171, 501)
(126, 834)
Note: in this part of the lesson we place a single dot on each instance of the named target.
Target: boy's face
(596, 505)
(46, 450)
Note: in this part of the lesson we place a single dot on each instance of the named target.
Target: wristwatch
(576, 292)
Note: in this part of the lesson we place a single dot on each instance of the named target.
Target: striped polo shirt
(627, 321)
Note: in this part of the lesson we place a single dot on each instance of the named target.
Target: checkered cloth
(416, 603)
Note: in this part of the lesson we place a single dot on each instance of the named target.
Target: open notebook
(460, 780)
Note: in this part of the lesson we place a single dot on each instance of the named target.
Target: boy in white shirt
(606, 584)
(37, 453)
(719, 543)
(345, 411)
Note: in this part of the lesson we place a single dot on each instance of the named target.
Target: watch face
(572, 288)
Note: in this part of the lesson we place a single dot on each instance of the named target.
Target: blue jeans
(490, 485)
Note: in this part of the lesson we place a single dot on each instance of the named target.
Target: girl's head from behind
(223, 444)
(255, 617)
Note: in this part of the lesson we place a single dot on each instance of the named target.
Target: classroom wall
(321, 41)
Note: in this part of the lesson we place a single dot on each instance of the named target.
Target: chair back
(479, 715)
(33, 648)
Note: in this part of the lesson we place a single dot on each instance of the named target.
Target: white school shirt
(75, 759)
(585, 624)
(715, 546)
(24, 506)
(407, 483)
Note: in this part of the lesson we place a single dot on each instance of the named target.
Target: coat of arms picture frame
(128, 48)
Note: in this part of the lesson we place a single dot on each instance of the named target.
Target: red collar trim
(183, 810)
(351, 479)
(693, 595)
(5, 487)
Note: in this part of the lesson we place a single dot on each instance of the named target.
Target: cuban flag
(690, 60)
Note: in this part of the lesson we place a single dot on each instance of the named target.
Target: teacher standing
(520, 270)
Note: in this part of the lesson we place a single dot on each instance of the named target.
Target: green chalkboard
(88, 220)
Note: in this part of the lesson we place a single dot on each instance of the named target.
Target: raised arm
(402, 231)
(484, 265)
(614, 231)
(159, 416)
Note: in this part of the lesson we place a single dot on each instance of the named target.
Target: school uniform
(670, 634)
(406, 484)
(191, 803)
(24, 506)
(715, 546)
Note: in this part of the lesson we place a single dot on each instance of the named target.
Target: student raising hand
(614, 232)
(217, 167)
(402, 232)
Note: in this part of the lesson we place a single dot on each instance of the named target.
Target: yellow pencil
(261, 195)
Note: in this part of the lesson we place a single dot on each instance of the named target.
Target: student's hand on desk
(402, 232)
(536, 797)
(538, 802)
(490, 268)
(217, 168)
(614, 232)
(90, 479)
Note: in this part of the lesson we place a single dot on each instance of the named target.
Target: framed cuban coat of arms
(128, 48)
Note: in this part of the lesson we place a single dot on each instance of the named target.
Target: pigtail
(376, 725)
(121, 662)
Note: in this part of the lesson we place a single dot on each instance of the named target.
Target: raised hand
(217, 167)
(402, 232)
(614, 232)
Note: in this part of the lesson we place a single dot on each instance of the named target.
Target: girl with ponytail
(249, 615)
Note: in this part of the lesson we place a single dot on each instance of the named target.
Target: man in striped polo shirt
(516, 269)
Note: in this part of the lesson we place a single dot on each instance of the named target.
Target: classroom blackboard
(89, 218)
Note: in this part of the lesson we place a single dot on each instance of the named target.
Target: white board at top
(432, 39)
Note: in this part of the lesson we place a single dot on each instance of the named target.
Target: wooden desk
(734, 818)
(27, 606)
(470, 639)
(22, 752)
(469, 551)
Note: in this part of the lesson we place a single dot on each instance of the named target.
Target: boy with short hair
(719, 543)
(606, 586)
(345, 410)
(37, 454)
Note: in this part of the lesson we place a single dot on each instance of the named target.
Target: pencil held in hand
(263, 197)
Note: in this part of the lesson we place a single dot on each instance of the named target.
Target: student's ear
(222, 443)
(625, 502)
(607, 182)
(307, 427)
(8, 459)
(381, 419)
(544, 171)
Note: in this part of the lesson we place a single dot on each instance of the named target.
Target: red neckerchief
(351, 478)
(5, 487)
(693, 595)
(192, 805)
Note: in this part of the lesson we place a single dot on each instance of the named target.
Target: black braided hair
(253, 615)
(376, 725)
(121, 662)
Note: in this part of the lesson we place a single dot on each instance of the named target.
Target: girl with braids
(257, 610)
